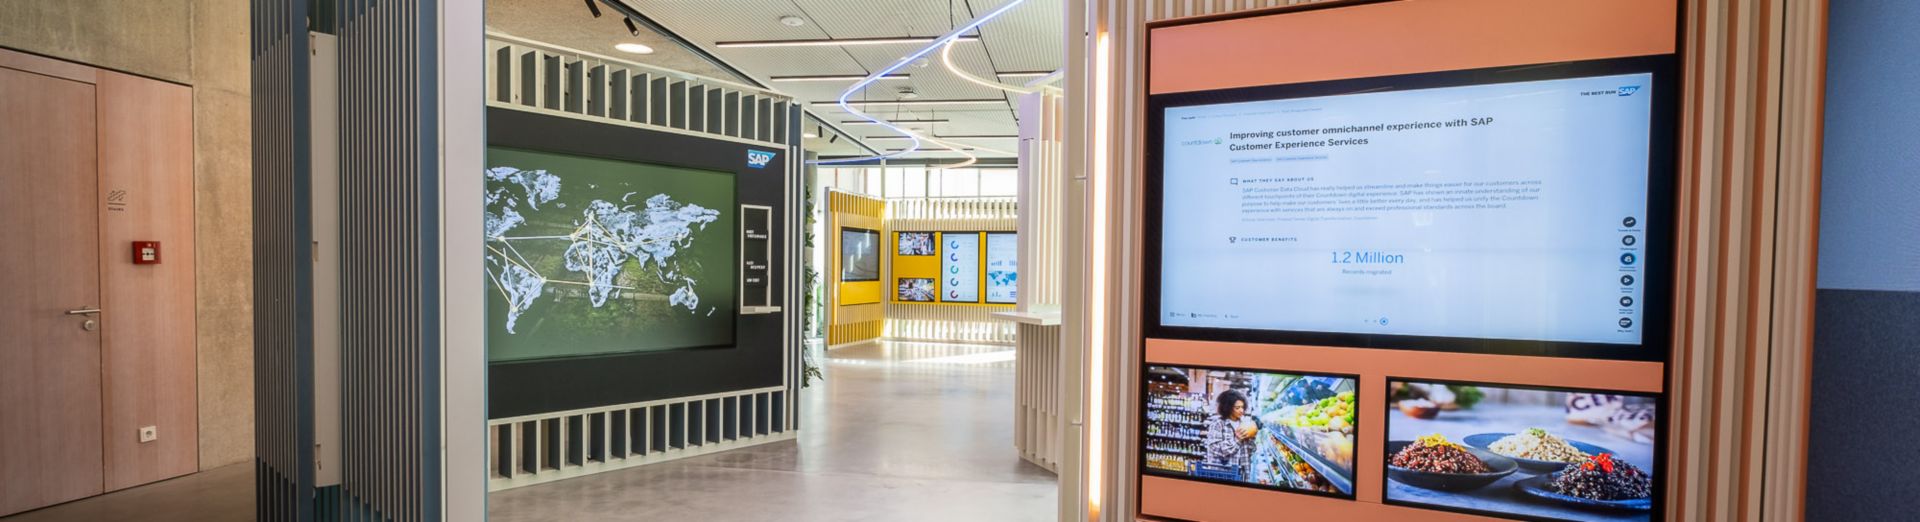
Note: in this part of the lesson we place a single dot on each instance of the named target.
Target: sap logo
(759, 158)
(1628, 90)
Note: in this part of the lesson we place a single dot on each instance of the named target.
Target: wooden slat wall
(1042, 181)
(1750, 158)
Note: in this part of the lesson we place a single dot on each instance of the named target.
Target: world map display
(589, 256)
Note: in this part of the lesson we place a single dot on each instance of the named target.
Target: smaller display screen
(960, 267)
(915, 243)
(1519, 452)
(1003, 267)
(1263, 429)
(859, 255)
(917, 289)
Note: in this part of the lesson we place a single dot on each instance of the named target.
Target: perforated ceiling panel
(1028, 38)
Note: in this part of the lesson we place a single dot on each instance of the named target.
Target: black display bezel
(876, 254)
(754, 360)
(1656, 277)
(1659, 470)
(1140, 429)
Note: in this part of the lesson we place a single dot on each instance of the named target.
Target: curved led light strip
(903, 62)
(946, 58)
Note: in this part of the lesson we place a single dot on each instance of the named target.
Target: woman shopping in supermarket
(1230, 432)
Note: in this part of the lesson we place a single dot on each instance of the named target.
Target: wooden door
(50, 403)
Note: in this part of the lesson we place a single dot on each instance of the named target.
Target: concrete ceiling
(1027, 38)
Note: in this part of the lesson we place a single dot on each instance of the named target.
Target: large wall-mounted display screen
(1003, 267)
(1454, 210)
(1254, 428)
(1522, 452)
(591, 256)
(960, 267)
(859, 255)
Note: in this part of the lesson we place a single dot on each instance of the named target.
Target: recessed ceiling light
(792, 21)
(635, 48)
(810, 135)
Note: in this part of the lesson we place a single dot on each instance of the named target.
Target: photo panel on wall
(1523, 452)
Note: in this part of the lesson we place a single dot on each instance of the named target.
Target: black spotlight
(593, 7)
(632, 28)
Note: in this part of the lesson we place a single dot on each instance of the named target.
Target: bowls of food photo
(1536, 450)
(1435, 463)
(1599, 482)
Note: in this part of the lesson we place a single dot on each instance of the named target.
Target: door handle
(84, 311)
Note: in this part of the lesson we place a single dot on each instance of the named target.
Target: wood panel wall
(144, 160)
(146, 188)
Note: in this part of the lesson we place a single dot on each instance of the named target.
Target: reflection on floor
(217, 495)
(898, 431)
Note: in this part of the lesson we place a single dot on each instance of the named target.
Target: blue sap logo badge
(1628, 90)
(758, 158)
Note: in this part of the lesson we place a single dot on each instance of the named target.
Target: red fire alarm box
(146, 252)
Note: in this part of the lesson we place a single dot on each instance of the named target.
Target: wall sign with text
(756, 255)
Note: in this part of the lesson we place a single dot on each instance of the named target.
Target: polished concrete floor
(897, 431)
(222, 494)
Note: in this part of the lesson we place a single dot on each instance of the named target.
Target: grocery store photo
(1279, 431)
(1522, 452)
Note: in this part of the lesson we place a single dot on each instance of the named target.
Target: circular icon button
(1626, 322)
(1626, 300)
(1626, 280)
(1628, 240)
(1628, 258)
(1629, 222)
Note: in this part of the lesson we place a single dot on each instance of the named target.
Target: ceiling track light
(844, 103)
(837, 42)
(834, 78)
(903, 122)
(986, 101)
(593, 6)
(634, 29)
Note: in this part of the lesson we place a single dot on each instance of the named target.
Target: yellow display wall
(856, 311)
(929, 267)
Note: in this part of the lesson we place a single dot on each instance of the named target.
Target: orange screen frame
(1361, 39)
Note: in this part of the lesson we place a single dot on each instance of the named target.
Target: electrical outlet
(149, 434)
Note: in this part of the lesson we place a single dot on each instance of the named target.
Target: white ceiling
(1027, 38)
